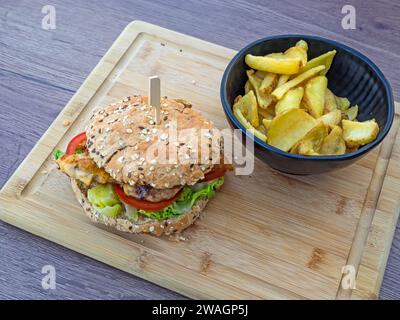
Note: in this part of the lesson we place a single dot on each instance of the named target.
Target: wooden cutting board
(268, 235)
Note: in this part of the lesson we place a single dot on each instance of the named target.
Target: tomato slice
(75, 142)
(143, 204)
(216, 173)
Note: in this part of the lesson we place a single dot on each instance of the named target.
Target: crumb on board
(193, 81)
(180, 50)
(44, 171)
(205, 262)
(163, 44)
(66, 122)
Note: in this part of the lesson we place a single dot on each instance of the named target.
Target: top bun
(124, 139)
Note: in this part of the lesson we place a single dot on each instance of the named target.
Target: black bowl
(351, 75)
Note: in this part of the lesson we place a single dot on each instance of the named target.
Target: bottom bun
(164, 227)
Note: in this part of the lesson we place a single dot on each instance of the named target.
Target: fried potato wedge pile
(287, 103)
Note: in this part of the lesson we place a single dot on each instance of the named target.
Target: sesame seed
(164, 136)
(129, 130)
(208, 135)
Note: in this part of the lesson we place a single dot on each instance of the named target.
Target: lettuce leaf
(105, 200)
(57, 154)
(186, 201)
(110, 211)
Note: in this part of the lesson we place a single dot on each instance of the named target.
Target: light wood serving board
(268, 235)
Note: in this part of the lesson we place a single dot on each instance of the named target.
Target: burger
(140, 175)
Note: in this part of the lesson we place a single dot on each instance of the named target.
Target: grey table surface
(41, 69)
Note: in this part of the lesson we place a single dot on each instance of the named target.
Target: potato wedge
(291, 100)
(312, 141)
(333, 143)
(275, 55)
(330, 101)
(348, 150)
(359, 133)
(248, 107)
(332, 118)
(267, 113)
(303, 44)
(262, 129)
(351, 113)
(263, 100)
(278, 93)
(248, 87)
(297, 52)
(282, 65)
(260, 74)
(325, 59)
(289, 127)
(267, 123)
(342, 103)
(238, 114)
(269, 82)
(314, 95)
(283, 78)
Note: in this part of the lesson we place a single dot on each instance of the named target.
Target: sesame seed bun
(122, 137)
